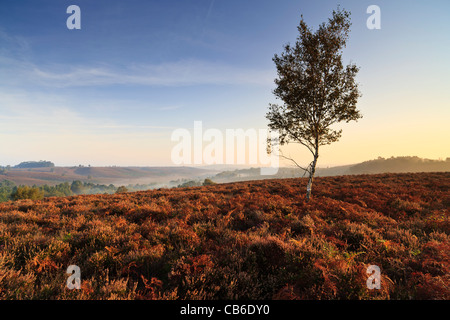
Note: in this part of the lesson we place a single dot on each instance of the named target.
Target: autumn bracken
(245, 240)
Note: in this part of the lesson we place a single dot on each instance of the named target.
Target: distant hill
(35, 164)
(44, 172)
(380, 165)
(400, 164)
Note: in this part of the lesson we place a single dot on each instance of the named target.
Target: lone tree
(317, 90)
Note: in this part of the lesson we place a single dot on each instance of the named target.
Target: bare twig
(295, 162)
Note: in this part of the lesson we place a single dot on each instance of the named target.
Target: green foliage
(316, 89)
(194, 183)
(6, 189)
(122, 189)
(191, 183)
(77, 187)
(60, 190)
(35, 164)
(208, 182)
(26, 192)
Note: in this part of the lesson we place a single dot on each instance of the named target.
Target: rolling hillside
(102, 175)
(380, 165)
(174, 176)
(245, 240)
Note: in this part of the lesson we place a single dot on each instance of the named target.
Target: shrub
(121, 189)
(25, 192)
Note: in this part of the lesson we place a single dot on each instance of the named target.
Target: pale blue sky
(112, 92)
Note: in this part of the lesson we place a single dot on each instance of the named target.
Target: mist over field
(45, 172)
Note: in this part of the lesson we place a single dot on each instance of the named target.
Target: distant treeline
(10, 191)
(196, 183)
(35, 164)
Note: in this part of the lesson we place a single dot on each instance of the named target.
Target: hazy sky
(113, 92)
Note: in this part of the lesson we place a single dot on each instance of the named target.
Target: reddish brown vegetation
(246, 240)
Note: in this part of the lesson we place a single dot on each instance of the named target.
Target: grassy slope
(254, 240)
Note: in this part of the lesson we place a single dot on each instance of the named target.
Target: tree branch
(300, 141)
(295, 162)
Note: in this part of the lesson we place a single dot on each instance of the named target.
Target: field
(244, 240)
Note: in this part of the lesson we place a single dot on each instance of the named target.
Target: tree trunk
(311, 177)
